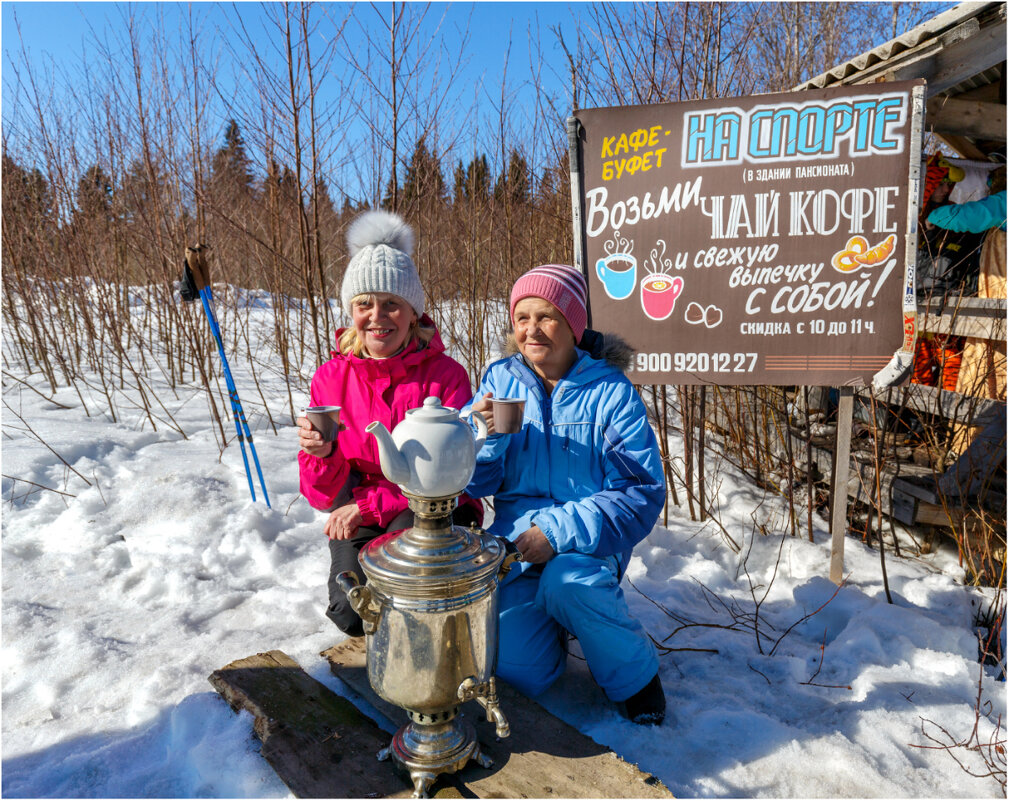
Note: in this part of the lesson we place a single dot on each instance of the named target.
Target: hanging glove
(187, 285)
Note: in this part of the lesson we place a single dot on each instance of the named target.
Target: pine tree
(26, 195)
(473, 182)
(424, 181)
(28, 215)
(514, 181)
(391, 195)
(329, 241)
(94, 196)
(231, 179)
(137, 196)
(290, 193)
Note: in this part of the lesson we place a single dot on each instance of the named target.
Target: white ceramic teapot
(432, 452)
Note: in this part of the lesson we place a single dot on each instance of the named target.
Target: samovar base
(426, 750)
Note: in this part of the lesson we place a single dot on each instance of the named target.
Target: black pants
(343, 556)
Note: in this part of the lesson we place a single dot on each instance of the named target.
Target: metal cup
(325, 420)
(508, 414)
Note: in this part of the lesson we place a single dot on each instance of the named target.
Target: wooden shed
(961, 54)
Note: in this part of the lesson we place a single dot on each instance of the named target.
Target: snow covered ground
(149, 567)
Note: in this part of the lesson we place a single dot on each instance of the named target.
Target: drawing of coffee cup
(617, 272)
(658, 295)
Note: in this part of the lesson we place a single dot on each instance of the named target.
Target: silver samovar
(430, 607)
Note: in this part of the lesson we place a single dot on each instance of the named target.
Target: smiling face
(544, 337)
(383, 323)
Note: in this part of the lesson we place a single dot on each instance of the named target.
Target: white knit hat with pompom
(381, 244)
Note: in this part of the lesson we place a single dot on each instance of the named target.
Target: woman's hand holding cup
(311, 441)
(317, 430)
(486, 408)
(503, 415)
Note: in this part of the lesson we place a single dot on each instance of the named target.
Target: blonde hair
(350, 343)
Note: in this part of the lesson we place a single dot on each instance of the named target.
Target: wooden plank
(955, 62)
(976, 118)
(319, 744)
(945, 403)
(963, 146)
(901, 482)
(920, 487)
(903, 507)
(977, 465)
(966, 58)
(984, 318)
(543, 758)
(989, 93)
(839, 495)
(916, 502)
(931, 514)
(862, 480)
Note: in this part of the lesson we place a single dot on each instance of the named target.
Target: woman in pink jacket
(386, 363)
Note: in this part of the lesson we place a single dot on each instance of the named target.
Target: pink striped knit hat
(561, 285)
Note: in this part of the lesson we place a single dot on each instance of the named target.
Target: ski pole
(207, 296)
(195, 281)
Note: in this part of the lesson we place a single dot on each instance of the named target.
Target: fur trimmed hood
(607, 347)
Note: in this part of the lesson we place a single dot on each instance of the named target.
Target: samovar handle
(361, 599)
(512, 556)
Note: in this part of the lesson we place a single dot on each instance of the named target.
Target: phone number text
(695, 362)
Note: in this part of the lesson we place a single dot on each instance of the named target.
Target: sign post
(839, 490)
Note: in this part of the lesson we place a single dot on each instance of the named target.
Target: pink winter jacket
(369, 390)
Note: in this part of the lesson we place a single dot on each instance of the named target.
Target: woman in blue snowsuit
(576, 489)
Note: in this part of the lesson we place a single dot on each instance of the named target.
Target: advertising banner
(756, 240)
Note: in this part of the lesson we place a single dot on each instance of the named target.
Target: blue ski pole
(207, 296)
(199, 276)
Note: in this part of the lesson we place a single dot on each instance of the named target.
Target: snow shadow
(178, 754)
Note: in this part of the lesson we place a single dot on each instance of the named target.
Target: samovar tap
(485, 694)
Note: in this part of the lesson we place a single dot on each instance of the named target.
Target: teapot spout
(394, 465)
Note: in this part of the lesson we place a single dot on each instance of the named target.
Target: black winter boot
(647, 707)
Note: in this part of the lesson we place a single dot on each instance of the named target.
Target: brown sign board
(754, 240)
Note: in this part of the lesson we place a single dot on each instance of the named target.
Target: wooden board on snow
(319, 744)
(543, 758)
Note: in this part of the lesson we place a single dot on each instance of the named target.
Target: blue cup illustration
(618, 273)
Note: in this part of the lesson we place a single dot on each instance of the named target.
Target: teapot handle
(481, 428)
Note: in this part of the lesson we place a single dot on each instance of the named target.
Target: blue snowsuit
(586, 469)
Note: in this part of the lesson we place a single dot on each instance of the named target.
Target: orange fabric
(937, 359)
(950, 359)
(934, 173)
(923, 370)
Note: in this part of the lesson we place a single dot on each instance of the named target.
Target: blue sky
(60, 30)
(59, 36)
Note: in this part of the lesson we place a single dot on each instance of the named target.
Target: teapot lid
(433, 412)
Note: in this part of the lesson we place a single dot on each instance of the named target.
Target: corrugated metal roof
(926, 36)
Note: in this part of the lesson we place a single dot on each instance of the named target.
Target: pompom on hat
(381, 244)
(561, 285)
